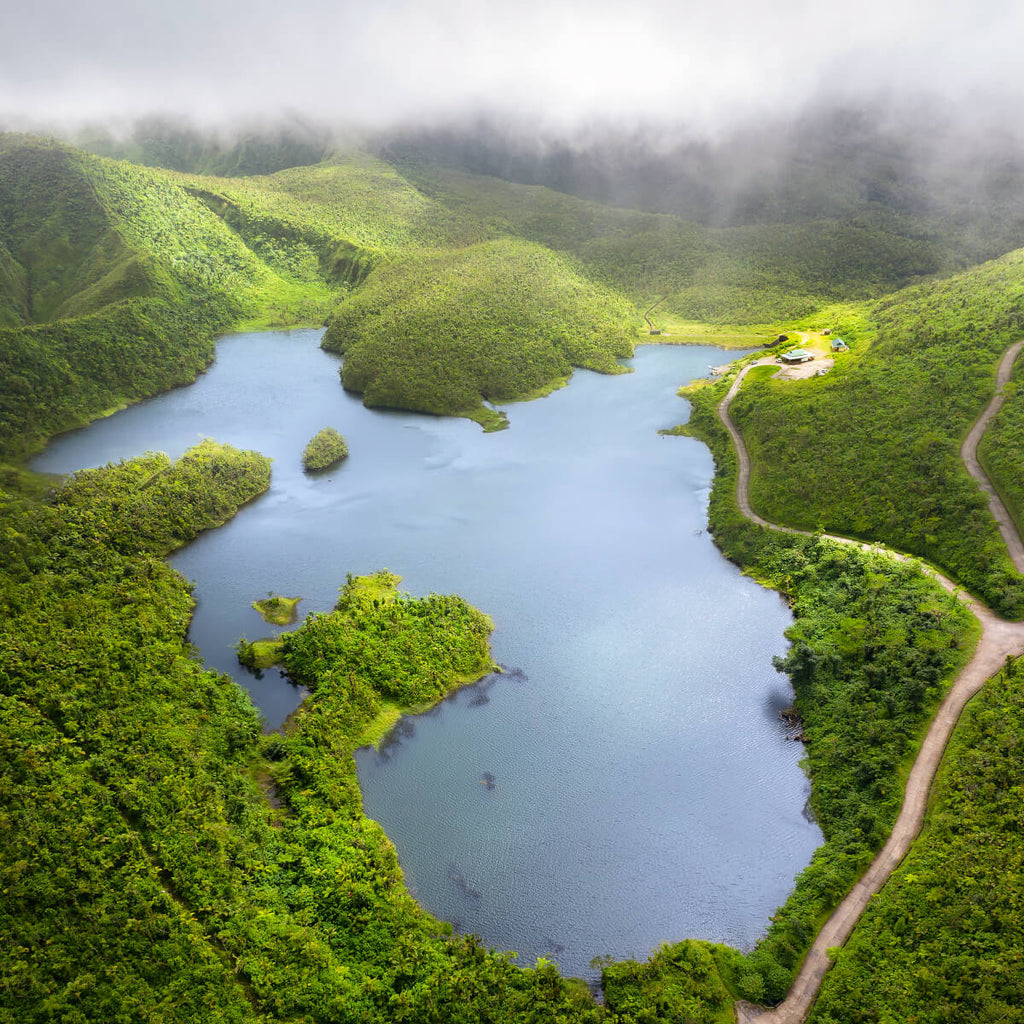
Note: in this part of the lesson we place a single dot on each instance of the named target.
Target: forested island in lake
(165, 857)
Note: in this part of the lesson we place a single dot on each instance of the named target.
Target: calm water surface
(627, 780)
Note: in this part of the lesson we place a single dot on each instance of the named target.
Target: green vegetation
(443, 332)
(757, 273)
(404, 650)
(162, 504)
(326, 449)
(942, 941)
(166, 142)
(259, 654)
(1002, 446)
(107, 821)
(874, 645)
(872, 450)
(680, 982)
(277, 610)
(145, 874)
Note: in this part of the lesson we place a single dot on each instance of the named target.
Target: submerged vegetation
(326, 449)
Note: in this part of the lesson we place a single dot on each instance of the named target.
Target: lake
(627, 780)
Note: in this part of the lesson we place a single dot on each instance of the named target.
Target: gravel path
(999, 640)
(969, 453)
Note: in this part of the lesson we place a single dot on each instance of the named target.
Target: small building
(827, 331)
(838, 345)
(655, 331)
(797, 355)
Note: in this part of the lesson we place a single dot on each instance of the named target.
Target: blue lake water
(627, 781)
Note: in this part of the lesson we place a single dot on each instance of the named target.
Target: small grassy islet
(277, 610)
(325, 449)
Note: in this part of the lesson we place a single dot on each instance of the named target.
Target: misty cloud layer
(546, 63)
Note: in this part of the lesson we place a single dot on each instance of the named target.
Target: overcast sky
(547, 62)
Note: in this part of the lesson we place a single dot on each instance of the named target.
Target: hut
(797, 355)
(838, 345)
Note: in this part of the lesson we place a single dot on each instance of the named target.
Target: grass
(1001, 448)
(678, 331)
(277, 610)
(260, 654)
(872, 450)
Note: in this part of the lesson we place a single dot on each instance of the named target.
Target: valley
(219, 872)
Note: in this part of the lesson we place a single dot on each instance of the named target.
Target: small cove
(627, 781)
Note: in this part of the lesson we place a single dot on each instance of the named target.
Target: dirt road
(969, 453)
(999, 639)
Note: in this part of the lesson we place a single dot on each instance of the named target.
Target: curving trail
(969, 453)
(999, 640)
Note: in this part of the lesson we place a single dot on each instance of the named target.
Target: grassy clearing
(872, 450)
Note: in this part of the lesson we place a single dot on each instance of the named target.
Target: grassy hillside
(114, 280)
(758, 273)
(180, 146)
(872, 450)
(442, 332)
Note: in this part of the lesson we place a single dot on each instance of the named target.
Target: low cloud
(556, 65)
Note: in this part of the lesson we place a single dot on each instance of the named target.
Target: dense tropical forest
(164, 860)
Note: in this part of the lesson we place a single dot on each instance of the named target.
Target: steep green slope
(114, 280)
(62, 374)
(61, 250)
(757, 273)
(872, 450)
(442, 332)
(177, 145)
(334, 221)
